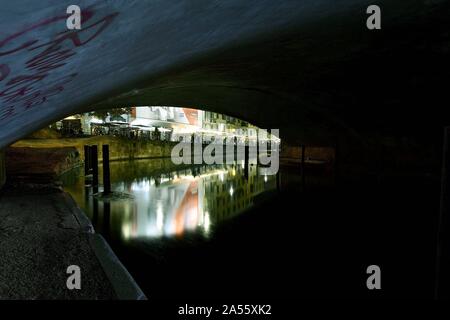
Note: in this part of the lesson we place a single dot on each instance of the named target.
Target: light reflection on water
(167, 201)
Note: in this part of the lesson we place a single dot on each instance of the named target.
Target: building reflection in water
(168, 202)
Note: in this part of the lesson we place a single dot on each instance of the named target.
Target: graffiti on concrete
(25, 89)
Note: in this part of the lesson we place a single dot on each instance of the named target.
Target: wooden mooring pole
(94, 159)
(106, 170)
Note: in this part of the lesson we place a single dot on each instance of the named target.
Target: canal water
(164, 218)
(190, 233)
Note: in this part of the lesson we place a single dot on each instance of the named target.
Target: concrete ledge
(41, 235)
(120, 148)
(84, 222)
(41, 165)
(123, 283)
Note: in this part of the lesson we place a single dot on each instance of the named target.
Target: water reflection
(168, 201)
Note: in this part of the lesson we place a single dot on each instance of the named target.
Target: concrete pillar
(2, 168)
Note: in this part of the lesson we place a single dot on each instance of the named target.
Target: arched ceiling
(308, 67)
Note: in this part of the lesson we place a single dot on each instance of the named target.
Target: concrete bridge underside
(308, 67)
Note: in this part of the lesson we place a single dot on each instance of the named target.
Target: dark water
(156, 201)
(159, 208)
(209, 233)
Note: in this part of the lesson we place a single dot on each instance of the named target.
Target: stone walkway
(42, 232)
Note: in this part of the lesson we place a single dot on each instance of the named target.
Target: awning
(141, 122)
(117, 119)
(96, 121)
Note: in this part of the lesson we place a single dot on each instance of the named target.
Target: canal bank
(38, 246)
(43, 232)
(120, 148)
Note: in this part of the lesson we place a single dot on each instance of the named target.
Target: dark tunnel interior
(363, 152)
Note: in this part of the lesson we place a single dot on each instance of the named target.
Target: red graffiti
(23, 90)
(50, 61)
(86, 15)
